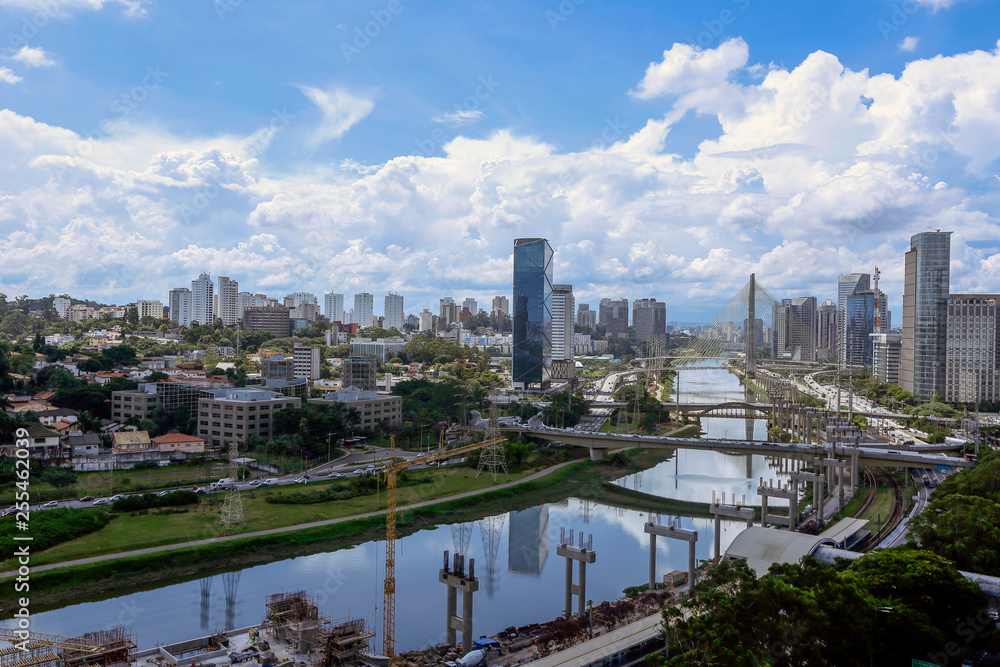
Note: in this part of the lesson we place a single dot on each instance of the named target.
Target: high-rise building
(306, 361)
(426, 320)
(202, 301)
(296, 299)
(228, 299)
(532, 313)
(245, 300)
(364, 303)
(826, 330)
(794, 329)
(614, 316)
(847, 284)
(887, 348)
(358, 372)
(649, 317)
(501, 306)
(563, 303)
(923, 356)
(333, 306)
(448, 310)
(471, 304)
(394, 311)
(62, 304)
(857, 348)
(150, 308)
(972, 373)
(180, 302)
(585, 317)
(275, 319)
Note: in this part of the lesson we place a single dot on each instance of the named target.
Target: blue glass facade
(926, 281)
(532, 316)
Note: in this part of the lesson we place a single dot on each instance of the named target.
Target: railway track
(895, 515)
(872, 484)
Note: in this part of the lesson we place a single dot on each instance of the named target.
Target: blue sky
(666, 149)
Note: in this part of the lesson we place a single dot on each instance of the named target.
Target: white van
(269, 482)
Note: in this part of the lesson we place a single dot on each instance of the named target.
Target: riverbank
(117, 574)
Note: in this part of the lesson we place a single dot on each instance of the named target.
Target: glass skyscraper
(532, 318)
(923, 355)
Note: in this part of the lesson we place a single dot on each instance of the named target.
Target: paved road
(285, 529)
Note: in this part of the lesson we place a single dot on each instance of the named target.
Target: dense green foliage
(51, 527)
(885, 608)
(962, 521)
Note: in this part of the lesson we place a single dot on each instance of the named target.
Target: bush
(52, 527)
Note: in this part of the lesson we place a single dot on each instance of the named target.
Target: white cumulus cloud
(33, 57)
(7, 75)
(909, 44)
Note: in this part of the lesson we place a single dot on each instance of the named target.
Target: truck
(224, 483)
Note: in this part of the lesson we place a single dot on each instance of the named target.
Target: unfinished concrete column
(583, 554)
(457, 580)
(789, 494)
(815, 477)
(721, 510)
(674, 531)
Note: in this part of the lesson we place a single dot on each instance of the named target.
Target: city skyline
(697, 150)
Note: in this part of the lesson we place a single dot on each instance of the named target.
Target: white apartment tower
(149, 308)
(471, 304)
(333, 306)
(228, 295)
(179, 301)
(62, 305)
(363, 305)
(394, 311)
(563, 306)
(202, 300)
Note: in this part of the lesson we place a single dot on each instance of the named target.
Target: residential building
(363, 305)
(296, 299)
(178, 442)
(116, 312)
(649, 317)
(426, 320)
(79, 312)
(614, 316)
(228, 296)
(887, 349)
(972, 372)
(563, 305)
(306, 359)
(532, 318)
(372, 408)
(276, 319)
(333, 306)
(448, 310)
(128, 442)
(585, 317)
(277, 367)
(150, 308)
(234, 414)
(394, 311)
(923, 356)
(202, 300)
(59, 339)
(360, 372)
(84, 444)
(181, 302)
(138, 403)
(471, 304)
(308, 312)
(43, 443)
(62, 304)
(382, 349)
(501, 306)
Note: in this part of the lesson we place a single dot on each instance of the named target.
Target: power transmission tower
(461, 535)
(490, 529)
(493, 457)
(232, 507)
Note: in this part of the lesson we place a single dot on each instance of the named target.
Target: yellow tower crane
(391, 470)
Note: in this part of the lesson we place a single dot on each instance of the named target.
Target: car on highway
(102, 501)
(116, 498)
(335, 475)
(51, 503)
(9, 510)
(163, 493)
(86, 499)
(301, 480)
(255, 482)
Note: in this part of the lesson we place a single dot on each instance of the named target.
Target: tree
(157, 376)
(15, 323)
(59, 477)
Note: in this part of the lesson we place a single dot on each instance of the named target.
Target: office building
(202, 300)
(857, 348)
(333, 307)
(394, 311)
(382, 349)
(360, 372)
(794, 329)
(585, 317)
(228, 296)
(372, 408)
(277, 367)
(649, 317)
(150, 308)
(471, 304)
(306, 361)
(614, 316)
(563, 304)
(233, 414)
(275, 319)
(501, 306)
(972, 371)
(887, 349)
(62, 304)
(532, 317)
(926, 278)
(364, 303)
(826, 331)
(426, 321)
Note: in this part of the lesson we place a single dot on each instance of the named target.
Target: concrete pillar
(568, 602)
(581, 600)
(585, 555)
(652, 556)
(452, 635)
(456, 579)
(677, 533)
(466, 621)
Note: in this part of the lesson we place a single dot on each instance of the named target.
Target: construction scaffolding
(294, 618)
(99, 649)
